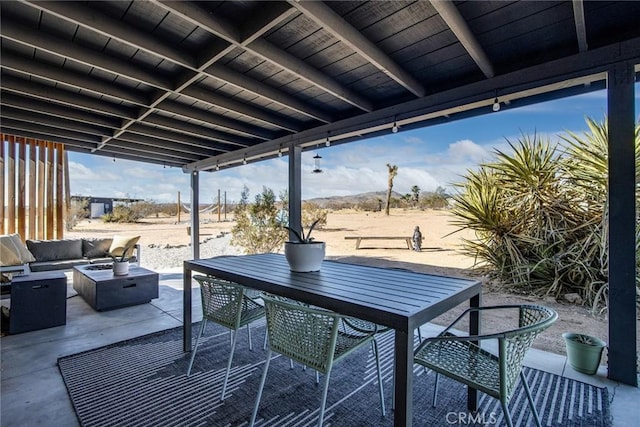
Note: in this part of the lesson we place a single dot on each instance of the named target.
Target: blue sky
(429, 157)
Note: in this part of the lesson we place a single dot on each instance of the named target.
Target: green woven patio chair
(461, 358)
(312, 337)
(226, 304)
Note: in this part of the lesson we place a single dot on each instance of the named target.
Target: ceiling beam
(223, 122)
(581, 27)
(24, 133)
(84, 55)
(186, 151)
(207, 21)
(248, 111)
(244, 82)
(56, 110)
(229, 140)
(330, 21)
(90, 19)
(109, 27)
(110, 90)
(54, 131)
(552, 76)
(178, 138)
(47, 120)
(74, 100)
(454, 20)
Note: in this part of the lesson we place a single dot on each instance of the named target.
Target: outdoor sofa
(64, 254)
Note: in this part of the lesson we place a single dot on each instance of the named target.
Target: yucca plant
(539, 214)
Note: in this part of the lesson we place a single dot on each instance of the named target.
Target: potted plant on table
(584, 352)
(121, 262)
(304, 254)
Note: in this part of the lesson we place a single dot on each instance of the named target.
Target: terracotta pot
(304, 257)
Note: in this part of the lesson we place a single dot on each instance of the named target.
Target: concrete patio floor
(33, 392)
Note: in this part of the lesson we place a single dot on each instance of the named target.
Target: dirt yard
(439, 255)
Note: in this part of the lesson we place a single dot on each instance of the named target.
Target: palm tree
(393, 171)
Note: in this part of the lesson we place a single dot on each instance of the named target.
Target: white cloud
(467, 150)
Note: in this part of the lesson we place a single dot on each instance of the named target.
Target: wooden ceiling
(201, 85)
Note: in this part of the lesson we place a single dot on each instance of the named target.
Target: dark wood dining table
(397, 298)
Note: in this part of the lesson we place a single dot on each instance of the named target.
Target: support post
(195, 215)
(295, 189)
(622, 225)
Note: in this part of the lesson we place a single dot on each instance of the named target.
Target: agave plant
(540, 214)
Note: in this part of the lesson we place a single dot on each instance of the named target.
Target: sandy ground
(439, 255)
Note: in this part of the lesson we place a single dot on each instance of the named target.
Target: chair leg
(195, 348)
(507, 414)
(266, 337)
(393, 388)
(530, 398)
(435, 390)
(226, 375)
(374, 345)
(260, 388)
(249, 333)
(324, 398)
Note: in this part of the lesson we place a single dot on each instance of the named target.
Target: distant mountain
(371, 197)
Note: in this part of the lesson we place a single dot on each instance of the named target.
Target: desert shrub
(123, 214)
(78, 209)
(258, 227)
(312, 212)
(438, 199)
(539, 215)
(143, 209)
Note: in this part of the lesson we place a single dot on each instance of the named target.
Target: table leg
(474, 329)
(403, 415)
(186, 311)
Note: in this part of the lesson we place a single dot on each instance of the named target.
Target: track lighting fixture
(394, 128)
(244, 160)
(496, 104)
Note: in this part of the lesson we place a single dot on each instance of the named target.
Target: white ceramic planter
(304, 257)
(120, 268)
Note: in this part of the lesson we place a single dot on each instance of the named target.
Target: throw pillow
(55, 249)
(96, 248)
(13, 251)
(119, 244)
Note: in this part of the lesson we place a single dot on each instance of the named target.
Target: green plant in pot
(583, 351)
(304, 254)
(121, 262)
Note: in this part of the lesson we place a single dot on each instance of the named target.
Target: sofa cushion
(96, 248)
(120, 243)
(13, 251)
(52, 250)
(62, 264)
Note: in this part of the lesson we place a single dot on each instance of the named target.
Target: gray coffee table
(104, 291)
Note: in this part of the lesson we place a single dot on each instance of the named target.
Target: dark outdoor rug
(142, 382)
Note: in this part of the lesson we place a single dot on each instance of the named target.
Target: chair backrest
(513, 346)
(221, 300)
(305, 334)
